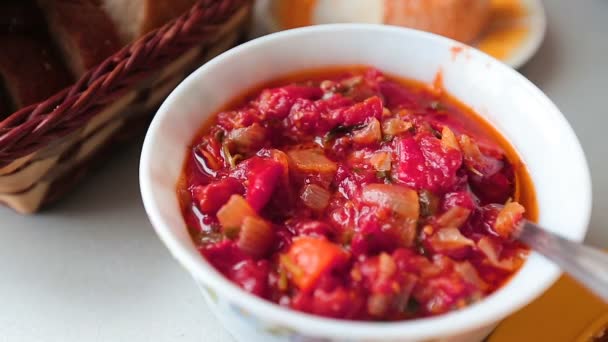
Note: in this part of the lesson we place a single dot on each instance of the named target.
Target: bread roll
(462, 20)
(137, 17)
(29, 70)
(83, 32)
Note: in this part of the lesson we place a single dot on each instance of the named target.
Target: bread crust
(463, 20)
(135, 18)
(29, 70)
(83, 32)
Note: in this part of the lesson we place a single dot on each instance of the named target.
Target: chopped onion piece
(209, 161)
(369, 134)
(404, 231)
(449, 239)
(386, 112)
(470, 149)
(448, 139)
(315, 197)
(490, 250)
(470, 275)
(508, 218)
(246, 138)
(280, 157)
(232, 214)
(454, 218)
(395, 126)
(256, 236)
(311, 160)
(400, 199)
(381, 161)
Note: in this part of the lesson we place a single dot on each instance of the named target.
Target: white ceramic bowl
(517, 108)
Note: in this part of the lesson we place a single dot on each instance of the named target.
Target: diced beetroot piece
(370, 237)
(389, 289)
(212, 197)
(283, 238)
(223, 255)
(342, 217)
(276, 103)
(408, 261)
(396, 95)
(424, 164)
(208, 154)
(310, 228)
(449, 287)
(494, 188)
(238, 118)
(251, 276)
(485, 219)
(459, 198)
(263, 176)
(412, 166)
(375, 277)
(315, 117)
(338, 303)
(359, 112)
(334, 102)
(304, 117)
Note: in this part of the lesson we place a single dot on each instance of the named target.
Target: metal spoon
(586, 264)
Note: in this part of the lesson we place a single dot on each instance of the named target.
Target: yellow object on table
(566, 312)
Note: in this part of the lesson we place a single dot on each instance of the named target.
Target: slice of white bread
(137, 17)
(84, 33)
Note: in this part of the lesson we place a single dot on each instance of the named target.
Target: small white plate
(533, 21)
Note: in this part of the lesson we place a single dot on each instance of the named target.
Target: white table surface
(92, 269)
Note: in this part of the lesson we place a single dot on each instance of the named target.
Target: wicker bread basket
(46, 147)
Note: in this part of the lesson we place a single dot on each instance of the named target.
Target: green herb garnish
(341, 130)
(429, 203)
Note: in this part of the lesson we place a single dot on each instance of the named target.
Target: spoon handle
(586, 264)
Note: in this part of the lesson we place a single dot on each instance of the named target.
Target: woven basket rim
(31, 128)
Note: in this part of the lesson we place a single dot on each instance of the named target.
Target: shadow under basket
(47, 147)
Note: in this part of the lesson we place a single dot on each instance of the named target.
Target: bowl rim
(479, 315)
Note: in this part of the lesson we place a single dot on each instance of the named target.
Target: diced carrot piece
(310, 258)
